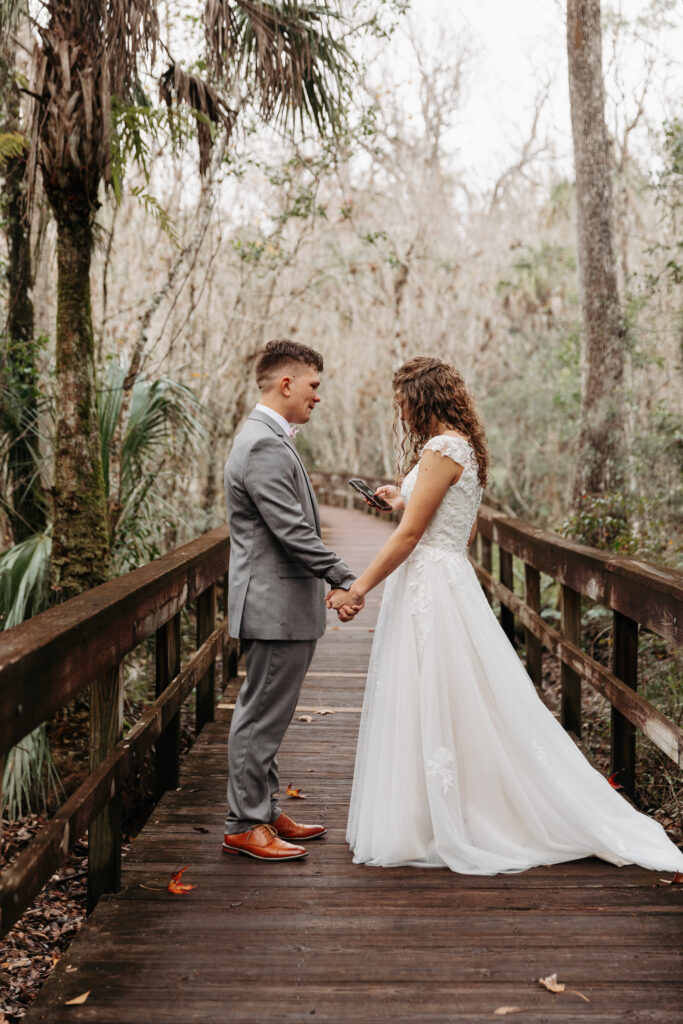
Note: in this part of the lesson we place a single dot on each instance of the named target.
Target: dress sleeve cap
(456, 448)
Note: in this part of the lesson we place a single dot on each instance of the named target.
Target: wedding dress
(459, 763)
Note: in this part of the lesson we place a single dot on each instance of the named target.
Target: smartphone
(367, 492)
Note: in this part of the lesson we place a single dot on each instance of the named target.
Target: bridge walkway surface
(328, 941)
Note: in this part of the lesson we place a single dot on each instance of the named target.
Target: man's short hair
(280, 353)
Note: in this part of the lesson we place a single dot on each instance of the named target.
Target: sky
(517, 47)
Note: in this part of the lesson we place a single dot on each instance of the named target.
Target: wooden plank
(623, 735)
(49, 659)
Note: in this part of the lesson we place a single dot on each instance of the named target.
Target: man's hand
(346, 602)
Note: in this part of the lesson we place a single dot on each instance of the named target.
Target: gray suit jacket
(277, 559)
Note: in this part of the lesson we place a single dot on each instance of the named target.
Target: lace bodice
(450, 528)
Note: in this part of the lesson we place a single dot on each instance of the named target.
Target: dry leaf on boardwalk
(200, 828)
(177, 887)
(676, 880)
(553, 985)
(324, 711)
(613, 782)
(295, 791)
(502, 1011)
(305, 718)
(79, 1000)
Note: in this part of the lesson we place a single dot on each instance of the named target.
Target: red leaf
(176, 886)
(295, 791)
(613, 782)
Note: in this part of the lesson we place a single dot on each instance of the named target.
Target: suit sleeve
(271, 486)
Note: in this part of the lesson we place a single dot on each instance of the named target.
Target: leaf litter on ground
(553, 985)
(177, 887)
(295, 791)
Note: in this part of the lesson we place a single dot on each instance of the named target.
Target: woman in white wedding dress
(459, 762)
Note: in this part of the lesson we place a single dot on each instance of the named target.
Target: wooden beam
(625, 667)
(167, 747)
(49, 659)
(651, 595)
(507, 619)
(206, 687)
(104, 834)
(571, 680)
(534, 649)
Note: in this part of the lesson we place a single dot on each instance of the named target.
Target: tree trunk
(80, 545)
(601, 433)
(26, 509)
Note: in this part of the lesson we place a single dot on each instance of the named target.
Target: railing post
(534, 649)
(167, 747)
(625, 667)
(206, 620)
(487, 560)
(571, 681)
(104, 834)
(507, 619)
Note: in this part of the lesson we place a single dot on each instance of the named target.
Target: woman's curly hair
(427, 389)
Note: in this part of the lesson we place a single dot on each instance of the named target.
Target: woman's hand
(338, 598)
(392, 496)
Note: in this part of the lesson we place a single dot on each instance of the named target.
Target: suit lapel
(263, 417)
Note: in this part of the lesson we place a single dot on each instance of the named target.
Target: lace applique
(439, 766)
(452, 522)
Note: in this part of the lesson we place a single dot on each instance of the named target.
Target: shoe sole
(256, 856)
(302, 839)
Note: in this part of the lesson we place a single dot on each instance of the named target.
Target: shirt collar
(280, 420)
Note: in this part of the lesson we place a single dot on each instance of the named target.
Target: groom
(276, 595)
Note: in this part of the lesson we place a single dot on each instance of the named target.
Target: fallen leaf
(305, 718)
(176, 886)
(324, 711)
(71, 968)
(676, 880)
(613, 782)
(79, 1000)
(199, 828)
(502, 1011)
(295, 791)
(552, 984)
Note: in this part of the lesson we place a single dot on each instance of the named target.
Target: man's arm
(270, 482)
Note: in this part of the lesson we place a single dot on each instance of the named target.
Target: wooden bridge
(323, 939)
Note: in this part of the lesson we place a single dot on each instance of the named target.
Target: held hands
(347, 603)
(392, 496)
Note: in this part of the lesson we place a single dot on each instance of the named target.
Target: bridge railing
(638, 594)
(50, 659)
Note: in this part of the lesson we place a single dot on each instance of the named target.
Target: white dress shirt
(276, 416)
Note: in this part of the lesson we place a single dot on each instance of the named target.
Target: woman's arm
(436, 474)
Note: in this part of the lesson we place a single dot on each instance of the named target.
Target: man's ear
(285, 386)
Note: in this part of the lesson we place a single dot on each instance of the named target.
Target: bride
(459, 763)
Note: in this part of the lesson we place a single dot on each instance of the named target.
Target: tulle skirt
(459, 763)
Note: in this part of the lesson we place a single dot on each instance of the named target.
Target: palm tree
(283, 54)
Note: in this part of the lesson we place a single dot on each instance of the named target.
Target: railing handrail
(48, 660)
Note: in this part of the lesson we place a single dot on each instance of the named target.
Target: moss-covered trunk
(18, 371)
(601, 436)
(80, 546)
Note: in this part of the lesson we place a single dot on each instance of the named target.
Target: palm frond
(29, 775)
(25, 579)
(208, 106)
(286, 52)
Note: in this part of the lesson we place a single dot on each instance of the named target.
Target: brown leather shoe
(263, 843)
(288, 829)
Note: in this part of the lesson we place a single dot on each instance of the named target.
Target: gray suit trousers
(263, 710)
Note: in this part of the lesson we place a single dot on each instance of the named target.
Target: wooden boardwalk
(325, 940)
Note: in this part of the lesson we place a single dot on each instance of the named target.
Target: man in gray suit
(276, 596)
